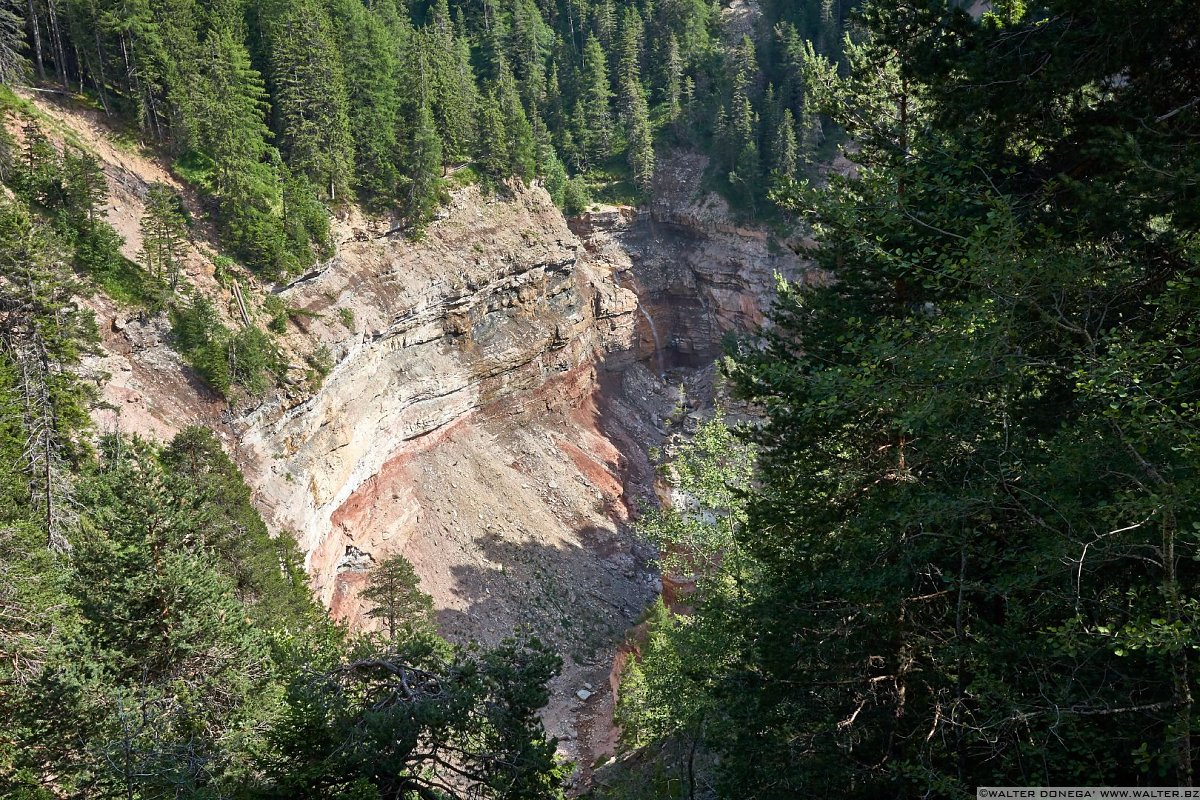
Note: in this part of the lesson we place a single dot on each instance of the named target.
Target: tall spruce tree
(421, 167)
(372, 96)
(454, 98)
(784, 149)
(164, 234)
(519, 143)
(13, 66)
(309, 96)
(969, 557)
(641, 139)
(493, 138)
(593, 126)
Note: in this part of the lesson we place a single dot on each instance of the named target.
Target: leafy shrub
(575, 197)
(249, 359)
(320, 364)
(278, 311)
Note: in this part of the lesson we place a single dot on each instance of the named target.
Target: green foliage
(177, 651)
(267, 572)
(372, 87)
(278, 313)
(641, 139)
(575, 197)
(975, 500)
(669, 687)
(320, 364)
(710, 475)
(68, 190)
(195, 168)
(98, 255)
(421, 186)
(247, 96)
(13, 64)
(592, 120)
(393, 589)
(305, 221)
(148, 673)
(248, 359)
(156, 639)
(308, 92)
(164, 234)
(414, 719)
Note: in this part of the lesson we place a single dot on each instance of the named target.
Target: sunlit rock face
(498, 301)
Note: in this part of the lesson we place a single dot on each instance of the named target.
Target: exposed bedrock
(495, 391)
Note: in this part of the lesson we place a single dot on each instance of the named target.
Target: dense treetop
(270, 106)
(968, 556)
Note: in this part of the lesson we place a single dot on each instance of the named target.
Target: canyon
(497, 392)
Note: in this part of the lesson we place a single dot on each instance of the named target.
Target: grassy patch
(463, 177)
(613, 183)
(196, 169)
(127, 284)
(10, 102)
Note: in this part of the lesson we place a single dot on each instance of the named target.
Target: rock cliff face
(496, 303)
(494, 393)
(495, 390)
(698, 274)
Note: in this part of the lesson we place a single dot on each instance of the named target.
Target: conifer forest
(817, 379)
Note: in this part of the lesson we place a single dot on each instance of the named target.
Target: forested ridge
(273, 108)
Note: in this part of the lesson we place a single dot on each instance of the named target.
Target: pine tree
(39, 177)
(13, 66)
(519, 138)
(827, 39)
(393, 588)
(372, 96)
(85, 187)
(629, 50)
(604, 22)
(234, 133)
(745, 178)
(309, 96)
(305, 220)
(455, 96)
(641, 139)
(792, 51)
(551, 170)
(529, 46)
(421, 168)
(743, 66)
(593, 127)
(555, 114)
(43, 333)
(164, 234)
(232, 110)
(493, 139)
(685, 124)
(784, 149)
(809, 137)
(673, 86)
